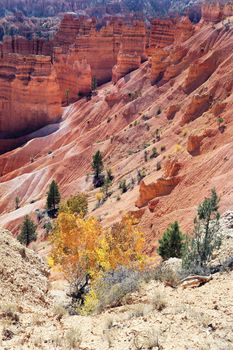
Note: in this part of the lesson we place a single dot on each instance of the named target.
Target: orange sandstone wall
(29, 94)
(132, 49)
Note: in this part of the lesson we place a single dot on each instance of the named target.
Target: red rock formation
(184, 30)
(68, 30)
(195, 141)
(132, 50)
(197, 106)
(73, 75)
(200, 71)
(162, 32)
(171, 168)
(211, 12)
(162, 187)
(98, 49)
(171, 111)
(158, 64)
(30, 95)
(20, 45)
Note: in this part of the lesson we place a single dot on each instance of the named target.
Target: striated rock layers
(214, 12)
(132, 49)
(30, 95)
(165, 33)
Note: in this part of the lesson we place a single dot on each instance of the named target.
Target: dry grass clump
(73, 338)
(158, 301)
(59, 311)
(147, 340)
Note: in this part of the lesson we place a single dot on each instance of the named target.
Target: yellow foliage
(50, 261)
(75, 244)
(177, 148)
(82, 246)
(90, 304)
(99, 196)
(126, 243)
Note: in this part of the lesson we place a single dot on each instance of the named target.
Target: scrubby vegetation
(77, 204)
(206, 235)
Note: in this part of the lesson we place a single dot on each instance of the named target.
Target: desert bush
(154, 153)
(158, 166)
(111, 289)
(206, 235)
(147, 340)
(158, 301)
(73, 338)
(123, 186)
(77, 204)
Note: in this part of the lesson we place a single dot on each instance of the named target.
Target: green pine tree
(94, 84)
(28, 231)
(206, 237)
(53, 196)
(171, 244)
(97, 166)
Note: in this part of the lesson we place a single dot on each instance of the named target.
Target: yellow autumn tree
(81, 247)
(76, 245)
(125, 244)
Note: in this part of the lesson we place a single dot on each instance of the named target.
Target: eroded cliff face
(30, 96)
(216, 11)
(132, 50)
(179, 116)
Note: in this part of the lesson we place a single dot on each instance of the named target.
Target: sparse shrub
(146, 145)
(206, 236)
(157, 134)
(163, 148)
(48, 227)
(73, 338)
(145, 156)
(171, 244)
(28, 231)
(114, 286)
(77, 204)
(158, 302)
(99, 197)
(118, 198)
(154, 153)
(145, 117)
(147, 126)
(148, 340)
(17, 202)
(159, 111)
(158, 166)
(123, 186)
(140, 175)
(177, 148)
